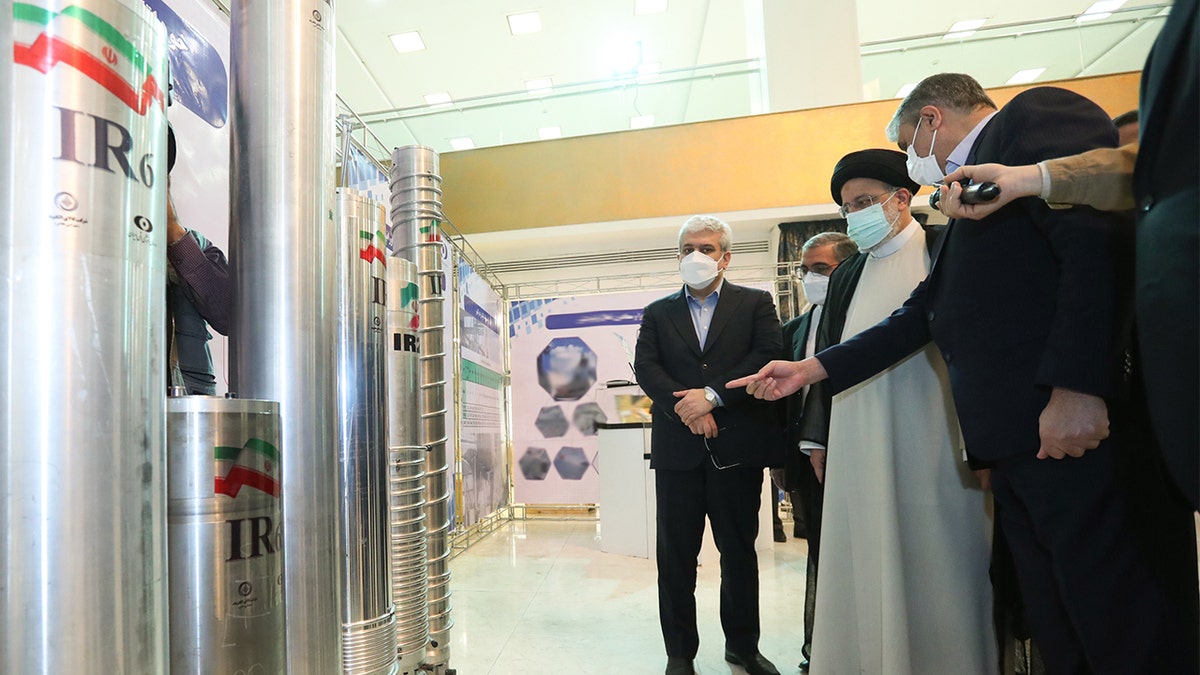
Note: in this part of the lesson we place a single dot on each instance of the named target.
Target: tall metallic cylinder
(416, 211)
(283, 250)
(223, 462)
(368, 615)
(407, 464)
(83, 502)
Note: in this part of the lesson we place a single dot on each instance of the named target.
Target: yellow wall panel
(764, 161)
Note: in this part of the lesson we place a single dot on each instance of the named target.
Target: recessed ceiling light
(540, 86)
(462, 143)
(1099, 10)
(641, 121)
(524, 23)
(438, 98)
(407, 42)
(905, 90)
(649, 6)
(624, 57)
(1026, 76)
(547, 133)
(963, 29)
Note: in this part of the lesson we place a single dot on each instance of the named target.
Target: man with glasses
(709, 444)
(904, 542)
(805, 467)
(1029, 307)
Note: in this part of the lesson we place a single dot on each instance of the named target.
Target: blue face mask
(869, 226)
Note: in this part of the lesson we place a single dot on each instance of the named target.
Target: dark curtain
(791, 239)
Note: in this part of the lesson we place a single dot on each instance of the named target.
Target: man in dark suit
(1166, 184)
(805, 467)
(709, 444)
(1026, 306)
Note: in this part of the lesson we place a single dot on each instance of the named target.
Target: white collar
(897, 242)
(959, 155)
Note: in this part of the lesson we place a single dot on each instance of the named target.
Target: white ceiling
(704, 48)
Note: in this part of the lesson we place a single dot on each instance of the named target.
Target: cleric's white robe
(905, 541)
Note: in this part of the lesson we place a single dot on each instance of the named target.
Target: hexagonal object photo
(566, 368)
(571, 463)
(551, 421)
(535, 463)
(585, 417)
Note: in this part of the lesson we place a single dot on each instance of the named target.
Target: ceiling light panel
(438, 98)
(641, 121)
(407, 42)
(963, 29)
(649, 6)
(905, 90)
(462, 143)
(1026, 76)
(525, 23)
(548, 133)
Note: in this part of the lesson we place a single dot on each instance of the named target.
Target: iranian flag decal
(255, 465)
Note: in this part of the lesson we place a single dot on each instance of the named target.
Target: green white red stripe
(86, 42)
(369, 251)
(255, 465)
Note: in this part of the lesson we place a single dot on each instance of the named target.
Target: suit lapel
(682, 320)
(800, 338)
(727, 303)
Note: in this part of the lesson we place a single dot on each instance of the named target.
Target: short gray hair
(843, 245)
(953, 91)
(707, 224)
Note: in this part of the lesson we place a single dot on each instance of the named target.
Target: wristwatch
(711, 397)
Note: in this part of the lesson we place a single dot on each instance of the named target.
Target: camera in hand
(977, 193)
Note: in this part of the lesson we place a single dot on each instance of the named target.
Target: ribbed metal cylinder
(226, 556)
(416, 198)
(433, 435)
(283, 250)
(368, 615)
(415, 217)
(83, 501)
(407, 466)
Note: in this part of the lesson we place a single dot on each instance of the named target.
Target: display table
(626, 489)
(627, 507)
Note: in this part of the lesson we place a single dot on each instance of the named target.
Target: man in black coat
(1027, 307)
(805, 467)
(709, 444)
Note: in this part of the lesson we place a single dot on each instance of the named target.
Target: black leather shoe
(754, 665)
(677, 665)
(804, 664)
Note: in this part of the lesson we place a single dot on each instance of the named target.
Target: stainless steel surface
(416, 213)
(416, 198)
(225, 526)
(368, 616)
(83, 576)
(283, 255)
(407, 460)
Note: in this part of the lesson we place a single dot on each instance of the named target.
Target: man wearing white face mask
(904, 535)
(804, 469)
(1029, 308)
(709, 445)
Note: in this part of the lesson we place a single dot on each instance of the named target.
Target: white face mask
(815, 287)
(924, 170)
(870, 226)
(697, 269)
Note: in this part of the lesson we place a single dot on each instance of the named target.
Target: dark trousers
(1092, 599)
(812, 493)
(730, 498)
